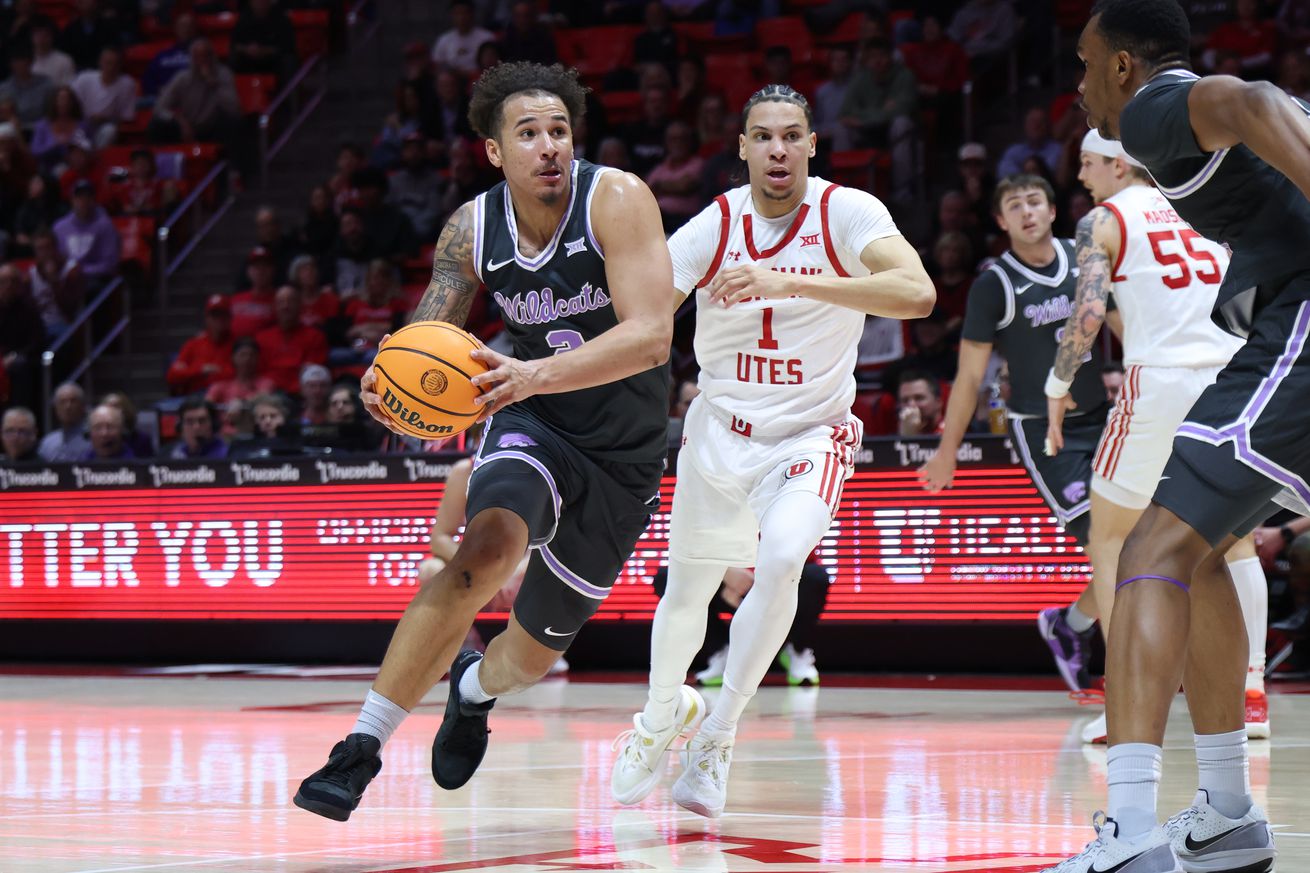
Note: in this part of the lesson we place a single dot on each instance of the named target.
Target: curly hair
(778, 94)
(1157, 31)
(503, 81)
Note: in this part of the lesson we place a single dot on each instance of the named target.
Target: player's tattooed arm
(450, 290)
(1094, 268)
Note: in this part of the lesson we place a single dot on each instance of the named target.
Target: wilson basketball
(423, 374)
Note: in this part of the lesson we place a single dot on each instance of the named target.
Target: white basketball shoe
(703, 786)
(640, 762)
(1094, 732)
(1109, 854)
(1205, 840)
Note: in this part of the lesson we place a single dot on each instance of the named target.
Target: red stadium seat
(726, 70)
(311, 32)
(136, 239)
(621, 107)
(855, 168)
(595, 51)
(786, 30)
(877, 409)
(137, 57)
(255, 91)
(847, 31)
(222, 22)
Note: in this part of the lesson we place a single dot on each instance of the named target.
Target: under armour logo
(734, 256)
(812, 240)
(741, 426)
(577, 247)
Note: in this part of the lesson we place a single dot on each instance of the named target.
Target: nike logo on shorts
(555, 633)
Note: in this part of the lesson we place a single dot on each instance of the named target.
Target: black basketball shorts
(1244, 449)
(1064, 481)
(584, 517)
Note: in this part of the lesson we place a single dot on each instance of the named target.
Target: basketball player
(784, 269)
(1232, 158)
(575, 256)
(1164, 277)
(1019, 306)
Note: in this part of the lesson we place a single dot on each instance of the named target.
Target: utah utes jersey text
(778, 366)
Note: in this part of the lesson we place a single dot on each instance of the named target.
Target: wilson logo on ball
(434, 382)
(403, 414)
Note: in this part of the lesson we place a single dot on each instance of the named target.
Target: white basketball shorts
(726, 482)
(1139, 434)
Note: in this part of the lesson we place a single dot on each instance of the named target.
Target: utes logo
(812, 240)
(734, 256)
(800, 468)
(434, 382)
(403, 414)
(741, 426)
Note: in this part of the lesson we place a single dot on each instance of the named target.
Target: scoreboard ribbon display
(341, 539)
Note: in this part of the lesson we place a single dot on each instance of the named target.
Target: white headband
(1108, 148)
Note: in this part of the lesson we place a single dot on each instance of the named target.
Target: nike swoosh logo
(553, 633)
(1023, 289)
(1197, 846)
(492, 266)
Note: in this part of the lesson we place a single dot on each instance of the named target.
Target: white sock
(676, 635)
(379, 717)
(723, 718)
(470, 686)
(1079, 621)
(1253, 593)
(791, 527)
(1134, 786)
(1224, 771)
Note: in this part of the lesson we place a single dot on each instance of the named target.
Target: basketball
(423, 374)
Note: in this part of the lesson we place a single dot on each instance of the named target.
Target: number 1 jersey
(779, 366)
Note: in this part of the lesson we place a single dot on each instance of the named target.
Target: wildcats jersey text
(1166, 280)
(777, 367)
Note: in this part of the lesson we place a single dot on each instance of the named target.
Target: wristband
(1055, 386)
(1288, 534)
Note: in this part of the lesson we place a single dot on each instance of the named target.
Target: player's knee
(489, 551)
(778, 562)
(1160, 542)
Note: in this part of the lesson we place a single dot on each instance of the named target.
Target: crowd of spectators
(318, 290)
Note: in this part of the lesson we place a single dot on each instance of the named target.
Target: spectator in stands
(1251, 39)
(526, 39)
(389, 228)
(319, 304)
(416, 189)
(675, 181)
(39, 211)
(30, 91)
(417, 69)
(724, 169)
(738, 17)
(87, 35)
(830, 96)
(658, 42)
(457, 48)
(953, 274)
(141, 443)
(252, 309)
(200, 103)
(613, 152)
(79, 166)
(354, 251)
(87, 237)
(108, 97)
(350, 157)
(1293, 22)
(408, 119)
(18, 20)
(446, 118)
(919, 399)
(1036, 141)
(685, 391)
(22, 334)
(53, 133)
(986, 29)
(1293, 76)
(290, 344)
(974, 181)
(247, 381)
(269, 236)
(271, 434)
(172, 60)
(940, 66)
(488, 56)
(49, 61)
(778, 67)
(18, 436)
(1112, 377)
(879, 108)
(68, 441)
(144, 193)
(315, 383)
(108, 435)
(263, 41)
(343, 405)
(689, 87)
(933, 353)
(317, 234)
(709, 123)
(56, 282)
(463, 183)
(206, 358)
(198, 419)
(645, 136)
(380, 311)
(17, 166)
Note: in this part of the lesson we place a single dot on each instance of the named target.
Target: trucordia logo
(244, 473)
(44, 478)
(331, 471)
(92, 477)
(420, 469)
(205, 475)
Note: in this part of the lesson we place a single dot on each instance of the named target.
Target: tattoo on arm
(1094, 285)
(450, 291)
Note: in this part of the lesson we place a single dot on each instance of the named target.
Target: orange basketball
(423, 374)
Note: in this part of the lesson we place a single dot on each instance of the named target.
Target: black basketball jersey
(1230, 196)
(1021, 310)
(557, 301)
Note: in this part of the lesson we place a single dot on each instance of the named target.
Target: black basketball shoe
(334, 791)
(461, 740)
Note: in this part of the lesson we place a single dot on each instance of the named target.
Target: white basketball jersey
(773, 368)
(1166, 280)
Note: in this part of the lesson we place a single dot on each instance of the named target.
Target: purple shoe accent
(1170, 579)
(1071, 649)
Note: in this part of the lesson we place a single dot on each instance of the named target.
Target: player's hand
(509, 380)
(368, 395)
(938, 472)
(1055, 410)
(911, 420)
(1268, 545)
(738, 283)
